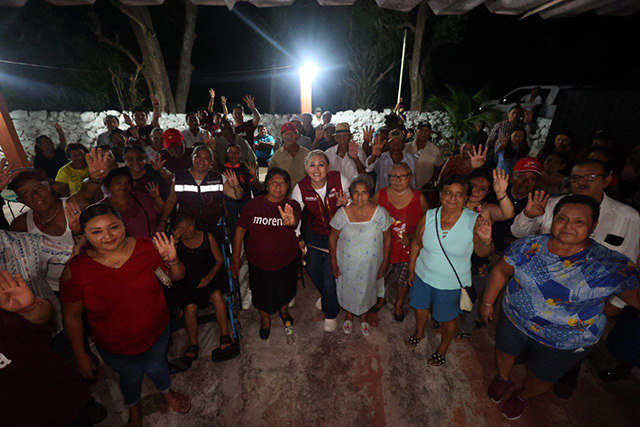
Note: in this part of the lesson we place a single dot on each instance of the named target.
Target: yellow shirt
(72, 177)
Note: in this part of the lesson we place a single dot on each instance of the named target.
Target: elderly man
(156, 144)
(302, 141)
(111, 123)
(381, 163)
(291, 156)
(427, 155)
(177, 158)
(526, 175)
(47, 214)
(328, 139)
(618, 228)
(230, 137)
(346, 157)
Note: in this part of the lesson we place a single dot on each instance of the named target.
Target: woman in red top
(406, 206)
(116, 280)
(272, 249)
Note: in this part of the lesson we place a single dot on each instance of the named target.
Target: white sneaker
(330, 325)
(364, 327)
(292, 302)
(319, 304)
(347, 327)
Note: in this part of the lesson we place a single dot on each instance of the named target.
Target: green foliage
(450, 29)
(463, 110)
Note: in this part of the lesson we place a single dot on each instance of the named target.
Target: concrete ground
(333, 379)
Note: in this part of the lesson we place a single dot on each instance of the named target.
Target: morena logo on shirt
(272, 222)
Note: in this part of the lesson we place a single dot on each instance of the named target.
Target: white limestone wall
(84, 127)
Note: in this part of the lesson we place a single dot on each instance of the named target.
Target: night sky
(496, 50)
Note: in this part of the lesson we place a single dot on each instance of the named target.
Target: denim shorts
(444, 304)
(546, 363)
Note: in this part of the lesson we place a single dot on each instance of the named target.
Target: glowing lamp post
(307, 73)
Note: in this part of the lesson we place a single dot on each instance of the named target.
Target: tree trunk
(186, 68)
(415, 76)
(154, 68)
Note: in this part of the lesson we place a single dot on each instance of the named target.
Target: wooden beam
(9, 142)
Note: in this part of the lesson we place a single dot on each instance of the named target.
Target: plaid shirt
(30, 255)
(505, 127)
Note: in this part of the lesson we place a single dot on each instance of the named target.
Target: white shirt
(190, 139)
(382, 167)
(345, 165)
(616, 219)
(427, 159)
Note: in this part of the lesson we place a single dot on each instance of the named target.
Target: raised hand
(232, 178)
(157, 163)
(288, 217)
(250, 101)
(353, 149)
(212, 93)
(367, 133)
(166, 247)
(128, 121)
(377, 147)
(319, 133)
(209, 138)
(504, 140)
(528, 116)
(153, 189)
(253, 170)
(500, 182)
(223, 99)
(98, 163)
(57, 127)
(342, 198)
(5, 174)
(536, 204)
(72, 212)
(483, 230)
(154, 100)
(478, 156)
(14, 292)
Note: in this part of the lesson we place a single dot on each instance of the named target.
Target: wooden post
(9, 142)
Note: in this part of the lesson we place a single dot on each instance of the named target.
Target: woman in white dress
(359, 244)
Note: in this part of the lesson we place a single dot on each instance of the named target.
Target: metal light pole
(404, 48)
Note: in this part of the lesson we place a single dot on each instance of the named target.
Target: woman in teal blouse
(440, 261)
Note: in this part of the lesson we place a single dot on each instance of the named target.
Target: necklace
(117, 263)
(50, 219)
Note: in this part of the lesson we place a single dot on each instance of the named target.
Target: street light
(307, 73)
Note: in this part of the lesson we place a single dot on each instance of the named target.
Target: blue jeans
(319, 269)
(131, 368)
(233, 209)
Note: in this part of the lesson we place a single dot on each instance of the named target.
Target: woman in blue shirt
(440, 261)
(557, 285)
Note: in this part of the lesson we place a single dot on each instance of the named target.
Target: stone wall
(85, 127)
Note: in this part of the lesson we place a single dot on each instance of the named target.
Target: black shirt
(52, 165)
(501, 230)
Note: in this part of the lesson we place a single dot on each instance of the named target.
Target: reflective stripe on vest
(179, 188)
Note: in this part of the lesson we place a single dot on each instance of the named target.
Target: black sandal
(193, 348)
(376, 309)
(412, 341)
(436, 360)
(398, 317)
(231, 351)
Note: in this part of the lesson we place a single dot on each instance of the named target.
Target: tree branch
(122, 8)
(96, 29)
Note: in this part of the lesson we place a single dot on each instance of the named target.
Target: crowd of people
(118, 236)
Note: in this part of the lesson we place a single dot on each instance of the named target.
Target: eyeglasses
(589, 178)
(399, 177)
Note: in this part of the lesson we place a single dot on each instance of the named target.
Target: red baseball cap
(288, 127)
(172, 138)
(528, 164)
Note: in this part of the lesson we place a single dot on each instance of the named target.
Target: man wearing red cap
(291, 155)
(175, 154)
(525, 178)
